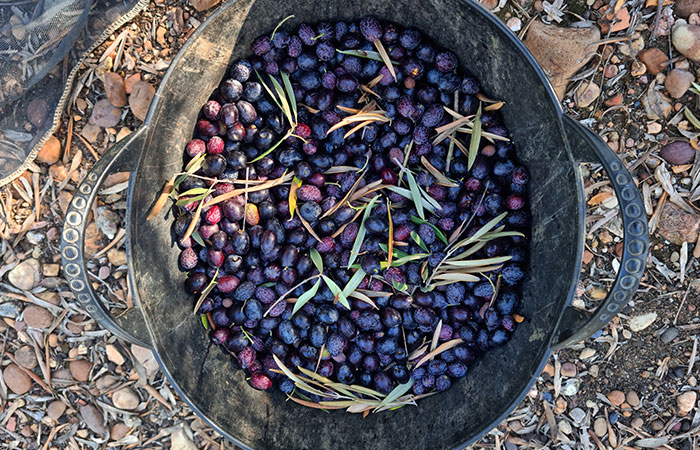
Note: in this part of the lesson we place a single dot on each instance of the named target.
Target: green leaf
(691, 118)
(205, 322)
(401, 287)
(317, 260)
(272, 36)
(305, 297)
(407, 194)
(271, 149)
(268, 284)
(419, 241)
(194, 165)
(397, 392)
(206, 292)
(283, 101)
(475, 139)
(361, 232)
(438, 233)
(194, 191)
(478, 262)
(397, 253)
(482, 231)
(337, 292)
(354, 282)
(415, 194)
(197, 238)
(296, 184)
(188, 200)
(398, 262)
(290, 93)
(369, 54)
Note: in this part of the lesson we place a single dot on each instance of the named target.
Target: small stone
(642, 321)
(19, 31)
(564, 427)
(25, 275)
(9, 309)
(90, 132)
(37, 317)
(93, 237)
(653, 58)
(677, 225)
(123, 132)
(107, 221)
(50, 152)
(160, 36)
(36, 112)
(593, 370)
(56, 409)
(561, 51)
(93, 418)
(637, 423)
(638, 69)
(678, 82)
(678, 152)
(597, 293)
(51, 270)
(586, 94)
(515, 426)
(146, 358)
(116, 257)
(26, 357)
(125, 398)
(615, 100)
(114, 355)
(514, 24)
(654, 128)
(105, 382)
(130, 81)
(600, 426)
(15, 379)
(140, 99)
(684, 8)
(548, 369)
(80, 369)
(632, 398)
(568, 370)
(577, 414)
(657, 425)
(571, 387)
(560, 405)
(104, 114)
(621, 21)
(686, 39)
(669, 335)
(686, 401)
(179, 439)
(616, 397)
(118, 431)
(587, 353)
(114, 89)
(203, 5)
(610, 71)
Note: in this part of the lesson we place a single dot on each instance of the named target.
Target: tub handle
(122, 156)
(575, 325)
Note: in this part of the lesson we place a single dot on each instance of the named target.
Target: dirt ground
(66, 383)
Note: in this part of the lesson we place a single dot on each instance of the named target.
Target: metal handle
(122, 156)
(576, 325)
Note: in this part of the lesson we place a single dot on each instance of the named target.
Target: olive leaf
(452, 277)
(354, 282)
(442, 348)
(182, 201)
(337, 292)
(272, 36)
(436, 336)
(415, 194)
(390, 243)
(316, 259)
(409, 195)
(271, 149)
(481, 232)
(305, 297)
(369, 54)
(439, 176)
(363, 298)
(397, 253)
(309, 228)
(269, 91)
(296, 183)
(416, 238)
(290, 93)
(385, 57)
(438, 233)
(398, 262)
(359, 239)
(212, 284)
(197, 238)
(397, 392)
(205, 322)
(478, 262)
(475, 139)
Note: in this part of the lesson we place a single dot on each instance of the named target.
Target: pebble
(653, 58)
(93, 418)
(180, 441)
(50, 270)
(586, 94)
(56, 409)
(657, 425)
(560, 405)
(632, 398)
(15, 379)
(616, 397)
(125, 398)
(621, 18)
(600, 426)
(548, 369)
(654, 128)
(677, 82)
(637, 422)
(104, 114)
(593, 370)
(568, 370)
(203, 5)
(514, 24)
(105, 382)
(107, 221)
(25, 275)
(686, 401)
(686, 39)
(684, 8)
(577, 414)
(571, 387)
(37, 317)
(561, 51)
(677, 225)
(114, 355)
(515, 426)
(641, 322)
(114, 89)
(50, 151)
(36, 111)
(116, 257)
(140, 99)
(669, 335)
(80, 369)
(146, 358)
(26, 357)
(564, 427)
(118, 431)
(678, 152)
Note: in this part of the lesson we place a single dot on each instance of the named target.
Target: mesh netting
(42, 43)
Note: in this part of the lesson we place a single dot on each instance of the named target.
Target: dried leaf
(439, 176)
(290, 93)
(309, 228)
(475, 139)
(397, 392)
(441, 348)
(363, 298)
(286, 107)
(456, 276)
(205, 292)
(436, 336)
(478, 262)
(162, 199)
(385, 57)
(260, 187)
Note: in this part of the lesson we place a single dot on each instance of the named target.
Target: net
(42, 43)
